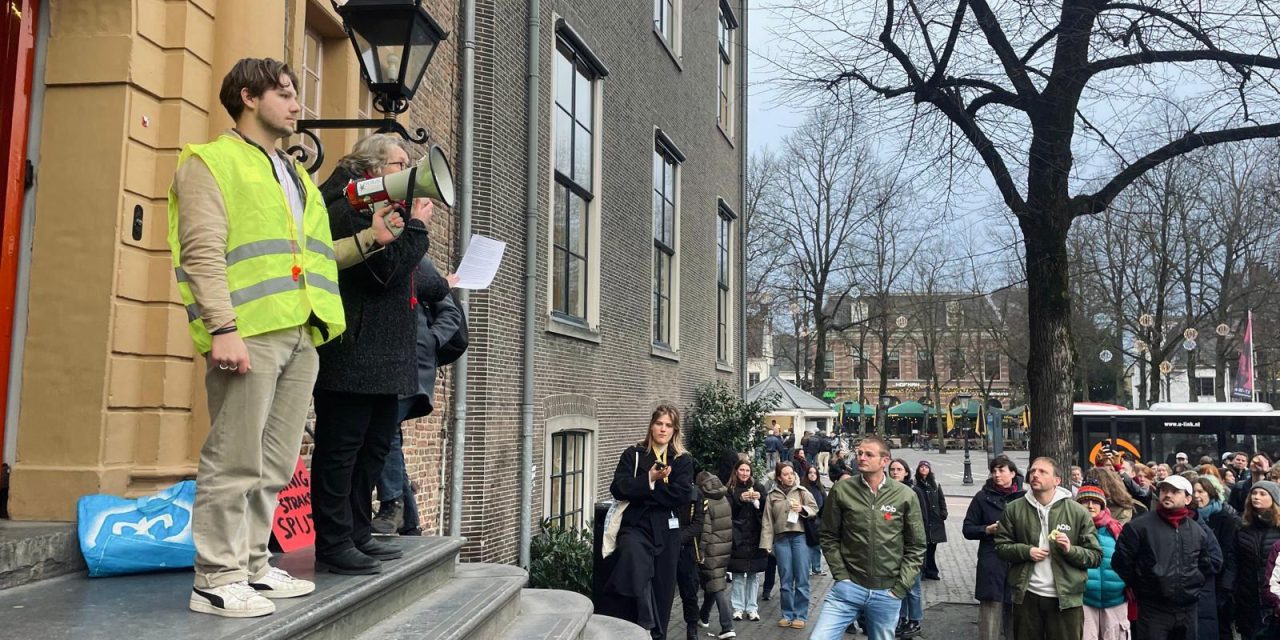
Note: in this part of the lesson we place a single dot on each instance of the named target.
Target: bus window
(1164, 446)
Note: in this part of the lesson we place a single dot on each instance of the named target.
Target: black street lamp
(964, 399)
(394, 41)
(882, 415)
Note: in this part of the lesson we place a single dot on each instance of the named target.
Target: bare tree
(827, 184)
(1038, 91)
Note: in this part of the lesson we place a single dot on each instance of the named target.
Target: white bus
(1197, 429)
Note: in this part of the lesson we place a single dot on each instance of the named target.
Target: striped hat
(1091, 492)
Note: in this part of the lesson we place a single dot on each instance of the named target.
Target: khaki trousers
(1107, 624)
(256, 433)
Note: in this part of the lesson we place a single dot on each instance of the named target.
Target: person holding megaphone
(363, 374)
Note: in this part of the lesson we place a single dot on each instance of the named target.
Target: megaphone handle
(413, 184)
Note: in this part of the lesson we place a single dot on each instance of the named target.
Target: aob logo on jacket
(1063, 527)
(888, 511)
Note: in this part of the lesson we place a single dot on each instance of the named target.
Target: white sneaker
(737, 615)
(753, 616)
(235, 600)
(277, 583)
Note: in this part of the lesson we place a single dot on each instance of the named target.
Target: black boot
(380, 550)
(691, 632)
(390, 517)
(347, 561)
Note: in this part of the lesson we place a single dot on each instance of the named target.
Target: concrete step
(479, 602)
(606, 628)
(31, 551)
(548, 614)
(154, 606)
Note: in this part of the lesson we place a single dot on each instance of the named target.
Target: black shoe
(348, 561)
(412, 531)
(909, 630)
(766, 594)
(390, 517)
(933, 577)
(380, 550)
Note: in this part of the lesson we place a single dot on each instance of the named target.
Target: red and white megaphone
(431, 177)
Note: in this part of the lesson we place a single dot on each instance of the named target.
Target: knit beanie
(1270, 487)
(1094, 492)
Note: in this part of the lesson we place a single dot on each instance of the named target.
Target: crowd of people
(1168, 551)
(292, 293)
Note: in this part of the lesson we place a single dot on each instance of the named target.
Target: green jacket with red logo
(876, 539)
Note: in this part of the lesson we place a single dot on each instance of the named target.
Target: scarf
(1174, 516)
(1104, 521)
(1004, 491)
(1213, 507)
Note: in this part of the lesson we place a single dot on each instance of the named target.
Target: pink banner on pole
(1244, 372)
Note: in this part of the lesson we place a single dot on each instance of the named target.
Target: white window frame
(727, 64)
(311, 37)
(668, 25)
(726, 275)
(577, 424)
(664, 147)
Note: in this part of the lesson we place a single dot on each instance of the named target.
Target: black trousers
(1159, 622)
(770, 573)
(687, 579)
(930, 569)
(1039, 618)
(353, 436)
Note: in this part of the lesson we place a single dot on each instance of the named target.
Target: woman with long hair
(1120, 502)
(782, 534)
(934, 506)
(912, 613)
(1224, 522)
(814, 484)
(1259, 531)
(746, 560)
(655, 476)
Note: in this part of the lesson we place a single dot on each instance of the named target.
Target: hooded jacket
(715, 543)
(1166, 565)
(1026, 524)
(876, 539)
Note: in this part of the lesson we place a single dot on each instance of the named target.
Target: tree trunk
(1052, 362)
(1220, 390)
(820, 351)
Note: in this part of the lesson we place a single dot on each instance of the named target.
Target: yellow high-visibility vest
(277, 277)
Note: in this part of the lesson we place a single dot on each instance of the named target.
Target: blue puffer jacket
(1104, 588)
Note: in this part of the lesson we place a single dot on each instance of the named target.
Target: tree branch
(1096, 203)
(1000, 45)
(1155, 57)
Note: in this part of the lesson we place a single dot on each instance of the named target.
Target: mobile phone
(659, 465)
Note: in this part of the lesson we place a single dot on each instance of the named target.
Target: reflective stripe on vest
(262, 253)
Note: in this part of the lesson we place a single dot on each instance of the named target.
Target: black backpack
(450, 351)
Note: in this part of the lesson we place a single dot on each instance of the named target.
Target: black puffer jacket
(1163, 564)
(985, 509)
(377, 353)
(747, 556)
(1253, 544)
(716, 543)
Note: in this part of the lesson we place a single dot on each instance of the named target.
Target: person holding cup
(747, 560)
(782, 534)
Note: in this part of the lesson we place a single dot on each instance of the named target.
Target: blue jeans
(745, 591)
(815, 558)
(394, 482)
(793, 573)
(846, 601)
(914, 604)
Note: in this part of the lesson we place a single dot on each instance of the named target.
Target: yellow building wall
(112, 392)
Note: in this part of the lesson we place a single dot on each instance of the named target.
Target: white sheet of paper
(480, 263)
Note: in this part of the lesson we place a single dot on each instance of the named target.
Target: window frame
(560, 433)
(725, 219)
(667, 24)
(893, 365)
(726, 75)
(563, 255)
(987, 356)
(924, 364)
(311, 36)
(667, 160)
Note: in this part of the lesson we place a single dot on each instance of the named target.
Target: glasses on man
(400, 166)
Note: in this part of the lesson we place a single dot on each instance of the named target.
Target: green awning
(908, 410)
(852, 408)
(959, 410)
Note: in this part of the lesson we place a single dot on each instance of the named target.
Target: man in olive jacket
(873, 536)
(1050, 542)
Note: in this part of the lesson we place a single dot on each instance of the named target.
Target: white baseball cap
(1177, 482)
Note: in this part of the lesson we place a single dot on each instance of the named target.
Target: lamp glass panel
(422, 45)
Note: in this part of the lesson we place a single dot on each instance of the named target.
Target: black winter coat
(1253, 544)
(644, 534)
(747, 556)
(986, 508)
(1225, 526)
(715, 542)
(934, 507)
(1164, 565)
(377, 352)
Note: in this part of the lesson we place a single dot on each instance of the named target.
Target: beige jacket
(202, 234)
(776, 507)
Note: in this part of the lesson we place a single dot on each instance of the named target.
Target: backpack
(450, 351)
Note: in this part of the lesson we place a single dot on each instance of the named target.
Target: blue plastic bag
(153, 533)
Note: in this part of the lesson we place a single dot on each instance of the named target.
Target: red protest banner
(291, 528)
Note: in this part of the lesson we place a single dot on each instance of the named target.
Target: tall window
(924, 364)
(829, 362)
(859, 364)
(364, 107)
(991, 365)
(1204, 386)
(568, 482)
(723, 271)
(666, 21)
(956, 363)
(665, 163)
(309, 92)
(753, 379)
(574, 149)
(894, 368)
(725, 80)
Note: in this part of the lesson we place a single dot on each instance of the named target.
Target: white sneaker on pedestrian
(737, 615)
(277, 583)
(753, 616)
(235, 600)
(725, 635)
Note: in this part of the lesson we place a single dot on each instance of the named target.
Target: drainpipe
(742, 202)
(530, 278)
(467, 123)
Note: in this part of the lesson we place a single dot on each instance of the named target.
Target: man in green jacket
(872, 534)
(1051, 542)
